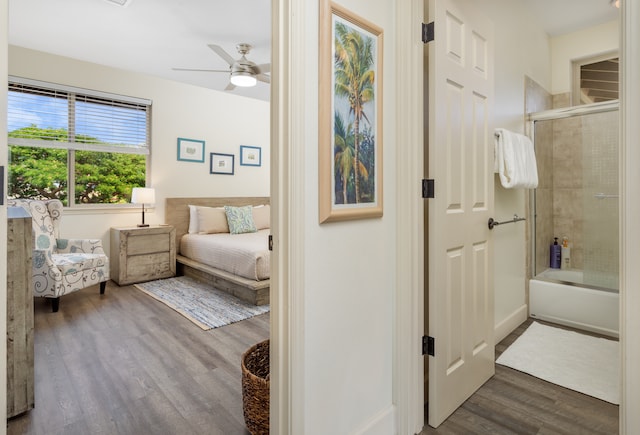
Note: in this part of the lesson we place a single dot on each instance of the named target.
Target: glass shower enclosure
(577, 199)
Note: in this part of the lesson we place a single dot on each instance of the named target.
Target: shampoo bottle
(565, 254)
(555, 254)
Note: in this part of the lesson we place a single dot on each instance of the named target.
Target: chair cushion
(77, 262)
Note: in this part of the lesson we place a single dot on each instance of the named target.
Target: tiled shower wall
(567, 168)
(601, 199)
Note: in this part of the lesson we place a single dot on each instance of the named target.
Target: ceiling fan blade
(202, 70)
(230, 87)
(263, 78)
(223, 54)
(264, 68)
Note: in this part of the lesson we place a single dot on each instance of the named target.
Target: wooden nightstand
(142, 253)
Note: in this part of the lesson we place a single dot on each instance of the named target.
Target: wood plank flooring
(512, 402)
(124, 363)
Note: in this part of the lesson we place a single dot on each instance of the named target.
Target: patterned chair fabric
(61, 266)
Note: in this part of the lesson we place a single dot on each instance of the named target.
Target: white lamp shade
(143, 195)
(243, 79)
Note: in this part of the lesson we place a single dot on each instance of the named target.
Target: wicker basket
(255, 388)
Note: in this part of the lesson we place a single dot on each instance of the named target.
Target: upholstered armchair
(61, 266)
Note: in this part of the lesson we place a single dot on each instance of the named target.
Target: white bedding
(245, 255)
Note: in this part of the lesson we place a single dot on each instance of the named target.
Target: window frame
(71, 147)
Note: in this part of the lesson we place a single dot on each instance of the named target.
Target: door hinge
(428, 34)
(270, 242)
(428, 345)
(428, 188)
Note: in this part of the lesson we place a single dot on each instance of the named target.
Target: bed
(235, 263)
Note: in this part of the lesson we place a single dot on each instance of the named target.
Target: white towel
(515, 160)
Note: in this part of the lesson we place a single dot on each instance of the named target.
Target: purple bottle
(555, 252)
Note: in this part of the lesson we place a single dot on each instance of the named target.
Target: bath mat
(203, 305)
(580, 362)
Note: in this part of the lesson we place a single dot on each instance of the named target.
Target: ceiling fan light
(243, 79)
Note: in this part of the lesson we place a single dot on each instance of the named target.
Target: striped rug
(203, 305)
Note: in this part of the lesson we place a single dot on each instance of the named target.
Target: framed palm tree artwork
(350, 116)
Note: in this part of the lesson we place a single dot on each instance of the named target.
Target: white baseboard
(508, 325)
(380, 424)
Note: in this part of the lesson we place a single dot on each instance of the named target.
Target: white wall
(593, 41)
(349, 271)
(521, 49)
(223, 120)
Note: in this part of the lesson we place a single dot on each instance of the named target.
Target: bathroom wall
(522, 50)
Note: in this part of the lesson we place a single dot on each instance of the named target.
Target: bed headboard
(176, 210)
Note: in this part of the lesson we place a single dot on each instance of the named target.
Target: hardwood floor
(512, 402)
(124, 363)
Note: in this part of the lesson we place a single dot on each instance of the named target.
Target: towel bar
(492, 223)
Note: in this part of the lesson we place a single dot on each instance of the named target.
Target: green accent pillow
(240, 219)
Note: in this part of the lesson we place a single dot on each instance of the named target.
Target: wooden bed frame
(176, 213)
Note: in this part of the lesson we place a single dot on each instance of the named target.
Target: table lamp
(143, 195)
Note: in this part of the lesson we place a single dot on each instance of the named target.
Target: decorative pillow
(262, 216)
(240, 219)
(212, 220)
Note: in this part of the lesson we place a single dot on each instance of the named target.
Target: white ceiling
(149, 36)
(558, 17)
(154, 36)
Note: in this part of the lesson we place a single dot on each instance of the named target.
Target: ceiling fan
(243, 72)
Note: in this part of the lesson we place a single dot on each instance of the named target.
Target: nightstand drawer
(147, 243)
(150, 266)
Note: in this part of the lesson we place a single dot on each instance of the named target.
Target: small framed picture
(221, 164)
(250, 156)
(190, 150)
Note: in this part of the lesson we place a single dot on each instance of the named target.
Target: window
(595, 79)
(67, 143)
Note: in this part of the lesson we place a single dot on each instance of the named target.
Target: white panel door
(461, 318)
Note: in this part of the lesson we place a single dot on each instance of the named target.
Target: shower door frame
(551, 115)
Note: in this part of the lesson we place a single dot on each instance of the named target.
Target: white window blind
(53, 116)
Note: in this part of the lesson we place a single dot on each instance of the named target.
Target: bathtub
(558, 296)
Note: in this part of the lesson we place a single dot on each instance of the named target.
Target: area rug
(203, 305)
(580, 362)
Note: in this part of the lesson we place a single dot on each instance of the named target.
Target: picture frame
(221, 163)
(350, 122)
(190, 150)
(250, 156)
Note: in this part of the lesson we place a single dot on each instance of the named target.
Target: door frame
(629, 218)
(408, 374)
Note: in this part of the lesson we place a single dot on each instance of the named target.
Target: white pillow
(212, 220)
(193, 219)
(262, 216)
